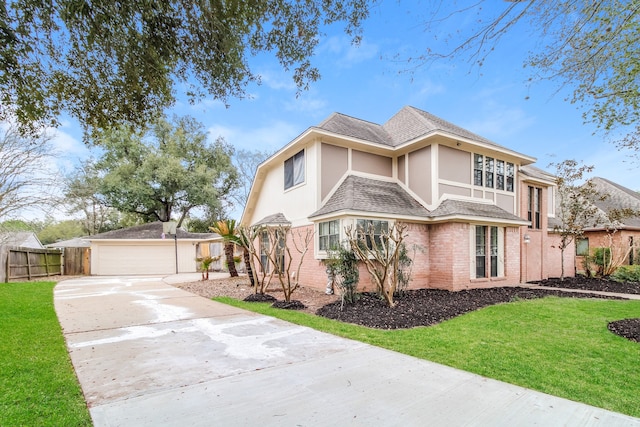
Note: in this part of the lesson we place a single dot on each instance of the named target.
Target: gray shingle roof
(357, 128)
(360, 194)
(275, 219)
(534, 172)
(617, 197)
(152, 230)
(463, 208)
(409, 123)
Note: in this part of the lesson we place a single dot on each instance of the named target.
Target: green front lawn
(559, 346)
(38, 384)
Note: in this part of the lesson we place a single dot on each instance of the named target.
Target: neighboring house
(621, 235)
(468, 202)
(76, 242)
(23, 239)
(146, 249)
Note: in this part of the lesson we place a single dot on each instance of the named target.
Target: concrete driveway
(149, 354)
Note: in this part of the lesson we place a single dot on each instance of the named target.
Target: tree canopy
(168, 170)
(108, 63)
(589, 46)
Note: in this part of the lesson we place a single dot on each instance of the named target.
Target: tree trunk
(228, 254)
(247, 263)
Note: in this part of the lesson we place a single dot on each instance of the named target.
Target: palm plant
(227, 230)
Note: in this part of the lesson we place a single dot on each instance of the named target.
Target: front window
(582, 247)
(264, 251)
(328, 235)
(368, 228)
(533, 203)
(294, 170)
(489, 251)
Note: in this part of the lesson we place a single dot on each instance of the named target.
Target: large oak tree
(112, 62)
(165, 172)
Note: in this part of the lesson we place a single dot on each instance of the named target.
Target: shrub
(343, 265)
(627, 273)
(601, 257)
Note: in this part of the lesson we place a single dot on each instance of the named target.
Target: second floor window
(493, 173)
(534, 201)
(294, 170)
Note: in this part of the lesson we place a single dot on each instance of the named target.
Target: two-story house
(477, 212)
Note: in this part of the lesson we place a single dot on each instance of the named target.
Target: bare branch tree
(381, 255)
(575, 211)
(24, 178)
(281, 257)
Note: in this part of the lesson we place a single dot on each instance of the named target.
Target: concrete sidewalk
(149, 354)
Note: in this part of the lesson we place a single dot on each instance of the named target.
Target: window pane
(582, 247)
(480, 251)
(488, 172)
(477, 169)
(294, 170)
(298, 168)
(500, 175)
(288, 173)
(510, 173)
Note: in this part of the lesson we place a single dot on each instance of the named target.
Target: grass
(38, 383)
(559, 346)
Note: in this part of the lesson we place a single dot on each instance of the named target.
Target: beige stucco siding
(454, 165)
(419, 175)
(506, 202)
(371, 163)
(295, 203)
(453, 190)
(402, 173)
(334, 164)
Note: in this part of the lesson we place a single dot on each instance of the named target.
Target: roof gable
(360, 194)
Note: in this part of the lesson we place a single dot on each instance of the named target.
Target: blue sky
(369, 82)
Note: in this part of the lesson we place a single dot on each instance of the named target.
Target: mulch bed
(592, 284)
(424, 307)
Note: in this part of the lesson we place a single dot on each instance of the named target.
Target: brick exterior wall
(619, 241)
(554, 257)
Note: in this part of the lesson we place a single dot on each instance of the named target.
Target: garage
(146, 249)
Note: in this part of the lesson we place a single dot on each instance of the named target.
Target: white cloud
(345, 54)
(270, 138)
(499, 122)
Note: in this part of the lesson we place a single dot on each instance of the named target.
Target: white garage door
(116, 259)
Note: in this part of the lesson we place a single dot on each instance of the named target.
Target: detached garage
(146, 249)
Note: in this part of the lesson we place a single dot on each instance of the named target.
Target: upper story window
(493, 173)
(510, 174)
(294, 170)
(533, 210)
(500, 175)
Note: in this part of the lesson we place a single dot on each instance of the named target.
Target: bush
(343, 264)
(601, 257)
(627, 273)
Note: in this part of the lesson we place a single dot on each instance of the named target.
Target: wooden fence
(27, 263)
(77, 261)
